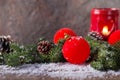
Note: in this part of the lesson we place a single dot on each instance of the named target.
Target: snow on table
(61, 70)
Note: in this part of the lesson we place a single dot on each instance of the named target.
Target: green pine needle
(103, 56)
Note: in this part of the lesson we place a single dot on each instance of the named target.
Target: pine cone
(95, 35)
(44, 47)
(5, 43)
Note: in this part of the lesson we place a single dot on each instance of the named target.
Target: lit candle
(105, 31)
(104, 21)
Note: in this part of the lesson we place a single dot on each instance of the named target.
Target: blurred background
(27, 20)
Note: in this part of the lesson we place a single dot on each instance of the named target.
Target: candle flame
(105, 31)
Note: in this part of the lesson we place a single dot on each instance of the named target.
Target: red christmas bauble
(60, 34)
(114, 37)
(76, 50)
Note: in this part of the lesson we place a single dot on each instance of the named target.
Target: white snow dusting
(62, 70)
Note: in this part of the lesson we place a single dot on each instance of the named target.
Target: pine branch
(104, 56)
(56, 53)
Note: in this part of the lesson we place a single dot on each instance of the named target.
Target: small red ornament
(114, 37)
(76, 50)
(60, 34)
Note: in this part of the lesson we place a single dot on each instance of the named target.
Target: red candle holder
(104, 21)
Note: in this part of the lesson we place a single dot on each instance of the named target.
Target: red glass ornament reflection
(104, 21)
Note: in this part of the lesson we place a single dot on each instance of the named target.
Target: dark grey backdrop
(27, 20)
